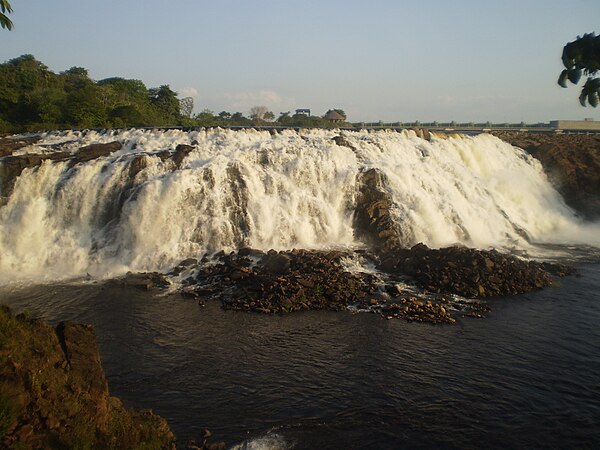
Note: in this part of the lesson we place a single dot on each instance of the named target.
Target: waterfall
(141, 208)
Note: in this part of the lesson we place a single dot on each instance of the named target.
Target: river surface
(527, 376)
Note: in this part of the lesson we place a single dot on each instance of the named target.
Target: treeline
(32, 98)
(208, 118)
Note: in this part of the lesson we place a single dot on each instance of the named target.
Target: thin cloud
(188, 92)
(244, 100)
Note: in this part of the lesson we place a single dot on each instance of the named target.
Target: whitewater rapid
(253, 188)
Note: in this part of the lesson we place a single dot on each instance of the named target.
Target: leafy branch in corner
(582, 56)
(5, 7)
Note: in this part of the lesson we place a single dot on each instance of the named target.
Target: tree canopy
(582, 57)
(32, 98)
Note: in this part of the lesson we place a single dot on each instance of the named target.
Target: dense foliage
(582, 56)
(32, 97)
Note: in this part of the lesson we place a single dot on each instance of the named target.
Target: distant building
(303, 112)
(583, 125)
(334, 117)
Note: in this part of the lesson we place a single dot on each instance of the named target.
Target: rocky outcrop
(285, 281)
(423, 133)
(343, 142)
(469, 272)
(54, 394)
(10, 144)
(299, 280)
(12, 166)
(144, 281)
(572, 163)
(180, 153)
(373, 222)
(94, 151)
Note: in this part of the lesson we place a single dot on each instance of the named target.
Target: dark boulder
(180, 153)
(373, 221)
(468, 272)
(94, 151)
(8, 145)
(278, 263)
(12, 166)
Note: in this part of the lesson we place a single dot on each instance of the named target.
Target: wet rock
(142, 280)
(247, 251)
(10, 144)
(288, 281)
(372, 220)
(423, 133)
(278, 263)
(413, 309)
(342, 142)
(12, 166)
(181, 151)
(94, 151)
(467, 272)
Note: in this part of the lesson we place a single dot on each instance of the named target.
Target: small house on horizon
(334, 116)
(303, 112)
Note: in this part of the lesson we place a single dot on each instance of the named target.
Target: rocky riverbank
(572, 163)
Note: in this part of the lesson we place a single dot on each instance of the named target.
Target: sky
(386, 60)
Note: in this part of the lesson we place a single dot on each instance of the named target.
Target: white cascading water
(251, 188)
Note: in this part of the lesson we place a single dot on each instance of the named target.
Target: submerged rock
(142, 280)
(54, 394)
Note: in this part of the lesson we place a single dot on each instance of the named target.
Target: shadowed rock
(468, 272)
(373, 222)
(54, 394)
(10, 144)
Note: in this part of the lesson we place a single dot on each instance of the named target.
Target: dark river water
(527, 376)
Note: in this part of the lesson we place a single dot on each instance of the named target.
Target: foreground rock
(54, 394)
(572, 163)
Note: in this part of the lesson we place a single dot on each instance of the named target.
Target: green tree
(582, 57)
(166, 102)
(5, 22)
(224, 116)
(205, 118)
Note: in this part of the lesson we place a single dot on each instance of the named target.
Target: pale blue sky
(462, 60)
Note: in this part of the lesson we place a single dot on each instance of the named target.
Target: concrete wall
(575, 125)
